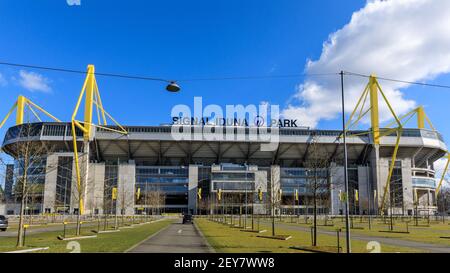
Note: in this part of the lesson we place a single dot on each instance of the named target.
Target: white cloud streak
(33, 81)
(3, 81)
(404, 39)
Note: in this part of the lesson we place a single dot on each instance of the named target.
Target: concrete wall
(192, 189)
(408, 197)
(406, 181)
(51, 176)
(337, 184)
(95, 188)
(275, 183)
(364, 190)
(126, 188)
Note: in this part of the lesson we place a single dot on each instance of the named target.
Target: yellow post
(88, 103)
(374, 113)
(420, 117)
(21, 100)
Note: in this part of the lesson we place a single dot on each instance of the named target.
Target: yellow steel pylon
(20, 105)
(92, 97)
(372, 90)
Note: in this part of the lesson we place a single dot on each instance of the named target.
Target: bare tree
(2, 195)
(318, 179)
(29, 158)
(125, 202)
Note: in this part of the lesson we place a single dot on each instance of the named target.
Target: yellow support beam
(443, 173)
(21, 100)
(391, 169)
(8, 114)
(420, 117)
(374, 113)
(88, 103)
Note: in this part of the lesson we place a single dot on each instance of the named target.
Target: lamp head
(173, 87)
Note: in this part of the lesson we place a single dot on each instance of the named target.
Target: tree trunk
(315, 220)
(20, 230)
(78, 223)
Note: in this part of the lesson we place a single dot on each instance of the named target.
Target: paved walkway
(434, 248)
(176, 238)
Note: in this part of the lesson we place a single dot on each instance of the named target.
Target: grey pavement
(433, 248)
(176, 238)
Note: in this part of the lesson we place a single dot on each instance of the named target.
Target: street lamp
(173, 87)
(344, 133)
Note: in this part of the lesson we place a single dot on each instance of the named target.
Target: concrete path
(433, 248)
(176, 238)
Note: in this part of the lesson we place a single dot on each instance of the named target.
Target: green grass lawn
(226, 239)
(419, 233)
(106, 242)
(13, 226)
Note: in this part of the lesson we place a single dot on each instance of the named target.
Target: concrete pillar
(377, 185)
(260, 183)
(364, 192)
(95, 188)
(275, 185)
(408, 197)
(337, 184)
(192, 189)
(51, 176)
(126, 188)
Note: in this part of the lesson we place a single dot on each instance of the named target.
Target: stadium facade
(193, 166)
(149, 171)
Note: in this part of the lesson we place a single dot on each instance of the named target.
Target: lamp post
(344, 133)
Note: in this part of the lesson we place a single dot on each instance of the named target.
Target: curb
(28, 250)
(79, 237)
(210, 248)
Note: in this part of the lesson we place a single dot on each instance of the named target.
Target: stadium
(80, 167)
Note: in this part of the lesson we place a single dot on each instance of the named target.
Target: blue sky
(203, 39)
(170, 39)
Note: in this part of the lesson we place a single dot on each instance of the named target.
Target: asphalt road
(176, 238)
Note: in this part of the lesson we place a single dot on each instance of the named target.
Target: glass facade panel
(63, 184)
(162, 187)
(227, 176)
(396, 186)
(35, 169)
(111, 179)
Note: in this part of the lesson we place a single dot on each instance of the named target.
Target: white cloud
(3, 81)
(34, 81)
(73, 2)
(404, 39)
